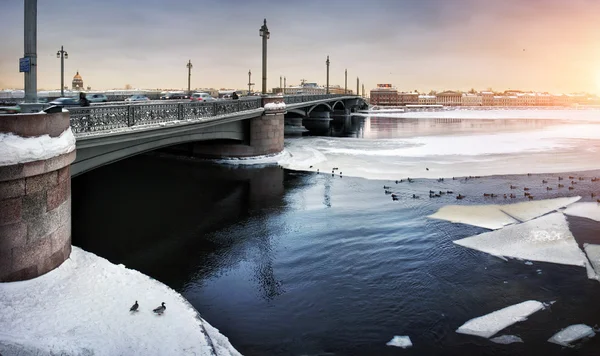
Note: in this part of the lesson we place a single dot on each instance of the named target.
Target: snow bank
(16, 149)
(489, 324)
(506, 339)
(571, 333)
(400, 341)
(584, 210)
(486, 216)
(275, 106)
(82, 307)
(546, 239)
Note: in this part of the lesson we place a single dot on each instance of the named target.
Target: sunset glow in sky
(542, 45)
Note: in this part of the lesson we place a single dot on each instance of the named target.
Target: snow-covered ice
(272, 159)
(400, 341)
(16, 149)
(571, 334)
(486, 216)
(584, 210)
(593, 253)
(495, 114)
(488, 325)
(275, 106)
(82, 308)
(528, 210)
(506, 339)
(545, 239)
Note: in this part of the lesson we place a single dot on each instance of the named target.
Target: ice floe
(400, 341)
(488, 325)
(506, 339)
(584, 210)
(571, 333)
(486, 216)
(526, 211)
(593, 253)
(546, 239)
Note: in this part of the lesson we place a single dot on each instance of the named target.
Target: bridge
(235, 128)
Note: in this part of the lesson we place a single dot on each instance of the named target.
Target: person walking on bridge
(234, 96)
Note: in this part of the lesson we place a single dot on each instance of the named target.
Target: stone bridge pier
(265, 137)
(35, 194)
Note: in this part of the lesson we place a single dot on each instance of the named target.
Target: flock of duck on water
(438, 194)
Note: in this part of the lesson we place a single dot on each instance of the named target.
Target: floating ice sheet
(400, 341)
(486, 216)
(506, 339)
(528, 210)
(571, 333)
(489, 324)
(546, 239)
(584, 210)
(593, 253)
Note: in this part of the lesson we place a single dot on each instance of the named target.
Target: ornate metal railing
(110, 117)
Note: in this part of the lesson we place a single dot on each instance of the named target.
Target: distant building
(336, 89)
(487, 98)
(409, 98)
(449, 98)
(384, 95)
(77, 83)
(469, 99)
(426, 99)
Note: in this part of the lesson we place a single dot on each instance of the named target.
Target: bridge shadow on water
(159, 215)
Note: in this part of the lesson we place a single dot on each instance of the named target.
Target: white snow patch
(275, 106)
(506, 339)
(256, 160)
(489, 324)
(528, 210)
(571, 333)
(593, 253)
(82, 307)
(584, 210)
(400, 341)
(15, 149)
(546, 239)
(486, 216)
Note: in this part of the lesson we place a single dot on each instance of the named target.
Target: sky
(541, 45)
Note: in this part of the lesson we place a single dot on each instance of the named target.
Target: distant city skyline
(538, 45)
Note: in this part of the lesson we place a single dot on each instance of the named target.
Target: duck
(394, 198)
(449, 192)
(560, 178)
(573, 182)
(426, 168)
(528, 174)
(442, 193)
(581, 178)
(593, 195)
(571, 188)
(512, 196)
(525, 188)
(544, 181)
(386, 187)
(594, 179)
(526, 194)
(134, 307)
(548, 188)
(505, 196)
(571, 177)
(160, 309)
(486, 194)
(513, 186)
(460, 196)
(561, 185)
(415, 196)
(388, 191)
(335, 168)
(598, 200)
(530, 197)
(494, 195)
(431, 191)
(440, 179)
(396, 182)
(310, 167)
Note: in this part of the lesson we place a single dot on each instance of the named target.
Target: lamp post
(346, 81)
(363, 91)
(327, 63)
(284, 84)
(265, 34)
(30, 49)
(280, 78)
(62, 54)
(250, 84)
(189, 67)
(357, 85)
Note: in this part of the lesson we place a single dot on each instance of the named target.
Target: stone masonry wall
(35, 205)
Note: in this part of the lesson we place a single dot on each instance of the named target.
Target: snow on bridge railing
(99, 118)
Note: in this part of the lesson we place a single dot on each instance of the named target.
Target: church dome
(77, 81)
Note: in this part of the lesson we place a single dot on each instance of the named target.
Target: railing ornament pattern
(97, 118)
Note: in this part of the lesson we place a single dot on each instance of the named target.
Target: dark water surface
(291, 263)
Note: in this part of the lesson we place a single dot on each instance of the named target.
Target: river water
(295, 262)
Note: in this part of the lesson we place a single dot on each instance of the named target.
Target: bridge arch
(338, 105)
(321, 106)
(296, 112)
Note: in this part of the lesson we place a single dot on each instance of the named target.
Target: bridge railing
(302, 98)
(110, 117)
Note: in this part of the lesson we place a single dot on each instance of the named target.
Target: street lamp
(62, 54)
(250, 84)
(265, 34)
(346, 82)
(327, 63)
(189, 67)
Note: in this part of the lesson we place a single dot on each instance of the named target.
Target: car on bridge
(173, 96)
(65, 102)
(137, 98)
(97, 98)
(201, 97)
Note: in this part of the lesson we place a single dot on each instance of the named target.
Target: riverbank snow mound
(15, 149)
(400, 341)
(528, 210)
(82, 308)
(584, 210)
(489, 324)
(275, 106)
(571, 334)
(545, 239)
(486, 216)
